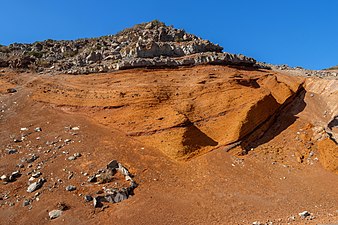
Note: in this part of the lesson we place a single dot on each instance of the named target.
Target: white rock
(75, 128)
(54, 214)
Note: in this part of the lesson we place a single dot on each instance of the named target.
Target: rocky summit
(166, 129)
(152, 44)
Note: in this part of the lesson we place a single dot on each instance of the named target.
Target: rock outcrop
(150, 44)
(182, 112)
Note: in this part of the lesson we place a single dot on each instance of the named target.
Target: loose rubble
(111, 195)
(150, 44)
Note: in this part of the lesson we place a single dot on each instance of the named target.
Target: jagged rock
(93, 57)
(138, 46)
(120, 196)
(113, 165)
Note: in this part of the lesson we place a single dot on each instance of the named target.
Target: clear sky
(294, 32)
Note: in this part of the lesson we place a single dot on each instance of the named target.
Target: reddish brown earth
(174, 130)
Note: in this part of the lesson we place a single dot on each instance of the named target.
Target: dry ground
(280, 177)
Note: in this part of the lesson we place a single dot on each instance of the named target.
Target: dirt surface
(132, 116)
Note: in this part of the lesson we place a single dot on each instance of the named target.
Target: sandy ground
(280, 177)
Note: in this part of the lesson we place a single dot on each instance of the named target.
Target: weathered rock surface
(150, 44)
(201, 109)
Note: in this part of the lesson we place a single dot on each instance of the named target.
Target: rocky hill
(152, 44)
(221, 143)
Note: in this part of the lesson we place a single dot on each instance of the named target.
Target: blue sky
(294, 32)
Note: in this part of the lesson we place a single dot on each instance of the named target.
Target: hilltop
(164, 128)
(150, 44)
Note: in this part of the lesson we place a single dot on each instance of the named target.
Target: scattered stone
(70, 188)
(70, 158)
(304, 214)
(88, 198)
(24, 129)
(32, 158)
(38, 129)
(55, 214)
(112, 195)
(11, 90)
(17, 140)
(36, 185)
(12, 151)
(36, 175)
(4, 178)
(26, 202)
(20, 165)
(75, 128)
(67, 141)
(92, 179)
(14, 175)
(77, 155)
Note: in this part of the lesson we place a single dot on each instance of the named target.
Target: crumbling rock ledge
(150, 44)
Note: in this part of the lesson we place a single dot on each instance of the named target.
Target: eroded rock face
(150, 44)
(182, 112)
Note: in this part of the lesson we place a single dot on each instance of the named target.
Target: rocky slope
(150, 44)
(222, 143)
(59, 133)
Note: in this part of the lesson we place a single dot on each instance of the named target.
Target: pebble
(70, 158)
(12, 151)
(26, 202)
(4, 178)
(17, 140)
(75, 128)
(304, 214)
(20, 165)
(55, 214)
(88, 198)
(38, 129)
(70, 188)
(77, 155)
(36, 175)
(32, 159)
(11, 90)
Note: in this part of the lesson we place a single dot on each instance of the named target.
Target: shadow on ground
(283, 119)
